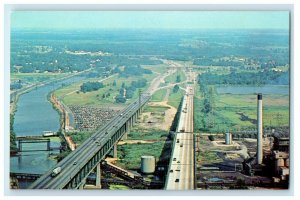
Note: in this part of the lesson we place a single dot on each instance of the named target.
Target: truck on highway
(56, 171)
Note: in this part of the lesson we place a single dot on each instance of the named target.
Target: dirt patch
(162, 122)
(111, 160)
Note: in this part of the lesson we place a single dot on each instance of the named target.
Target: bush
(175, 89)
(91, 86)
(120, 99)
(211, 138)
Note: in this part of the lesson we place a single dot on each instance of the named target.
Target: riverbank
(64, 120)
(14, 97)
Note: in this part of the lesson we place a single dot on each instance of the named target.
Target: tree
(13, 145)
(120, 99)
(178, 78)
(91, 86)
(175, 89)
(211, 138)
(115, 83)
(129, 93)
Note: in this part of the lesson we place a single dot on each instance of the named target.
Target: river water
(34, 115)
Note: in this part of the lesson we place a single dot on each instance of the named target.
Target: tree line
(246, 78)
(90, 86)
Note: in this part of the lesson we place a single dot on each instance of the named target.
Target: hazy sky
(150, 19)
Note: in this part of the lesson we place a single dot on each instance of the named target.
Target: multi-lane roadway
(74, 163)
(181, 167)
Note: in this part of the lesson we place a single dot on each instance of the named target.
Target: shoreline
(14, 98)
(63, 120)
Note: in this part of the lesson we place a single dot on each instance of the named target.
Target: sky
(150, 19)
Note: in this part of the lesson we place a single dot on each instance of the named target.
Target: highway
(75, 161)
(181, 167)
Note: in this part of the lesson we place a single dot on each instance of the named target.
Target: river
(34, 115)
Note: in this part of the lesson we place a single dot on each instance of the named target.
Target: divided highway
(181, 167)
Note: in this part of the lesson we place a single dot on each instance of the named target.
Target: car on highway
(56, 171)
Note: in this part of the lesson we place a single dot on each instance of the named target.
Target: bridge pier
(98, 176)
(131, 121)
(124, 137)
(20, 145)
(81, 187)
(48, 145)
(115, 151)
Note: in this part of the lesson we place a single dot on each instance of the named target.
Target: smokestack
(259, 155)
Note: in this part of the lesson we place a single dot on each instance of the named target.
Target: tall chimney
(259, 154)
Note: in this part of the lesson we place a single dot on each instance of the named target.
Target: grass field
(208, 157)
(139, 133)
(159, 95)
(130, 154)
(172, 78)
(236, 111)
(175, 98)
(80, 137)
(95, 97)
(119, 187)
(160, 68)
(156, 108)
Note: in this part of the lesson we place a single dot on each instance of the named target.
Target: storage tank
(228, 138)
(147, 164)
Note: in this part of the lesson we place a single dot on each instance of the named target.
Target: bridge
(80, 163)
(34, 139)
(25, 176)
(181, 171)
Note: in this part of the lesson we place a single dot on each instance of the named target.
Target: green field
(160, 68)
(233, 112)
(208, 157)
(80, 137)
(74, 97)
(172, 78)
(139, 133)
(159, 95)
(156, 108)
(130, 154)
(175, 98)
